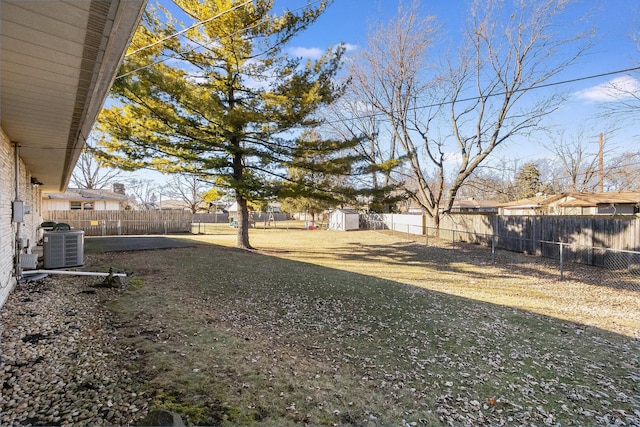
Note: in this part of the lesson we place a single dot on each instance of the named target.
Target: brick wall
(30, 195)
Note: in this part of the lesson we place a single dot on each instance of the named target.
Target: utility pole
(601, 165)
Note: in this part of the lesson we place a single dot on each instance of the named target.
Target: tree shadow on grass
(313, 343)
(442, 256)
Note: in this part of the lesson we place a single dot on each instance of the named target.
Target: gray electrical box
(63, 248)
(18, 211)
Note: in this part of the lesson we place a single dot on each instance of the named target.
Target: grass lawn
(363, 328)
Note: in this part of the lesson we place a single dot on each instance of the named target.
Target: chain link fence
(597, 265)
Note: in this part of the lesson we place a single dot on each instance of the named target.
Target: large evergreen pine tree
(319, 175)
(222, 100)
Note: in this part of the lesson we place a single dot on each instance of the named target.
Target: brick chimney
(118, 188)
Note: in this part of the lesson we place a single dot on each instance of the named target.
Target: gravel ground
(61, 364)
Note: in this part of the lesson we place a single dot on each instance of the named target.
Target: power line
(475, 98)
(177, 55)
(371, 115)
(196, 25)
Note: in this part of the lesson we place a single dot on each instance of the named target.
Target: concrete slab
(133, 243)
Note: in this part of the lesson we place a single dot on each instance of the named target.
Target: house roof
(82, 194)
(475, 204)
(531, 202)
(594, 199)
(180, 204)
(576, 199)
(58, 61)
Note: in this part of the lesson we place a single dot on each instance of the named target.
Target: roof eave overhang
(126, 16)
(58, 62)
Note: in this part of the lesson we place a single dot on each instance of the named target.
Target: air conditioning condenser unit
(63, 248)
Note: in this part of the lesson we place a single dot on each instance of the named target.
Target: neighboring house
(58, 61)
(412, 207)
(537, 205)
(461, 206)
(78, 199)
(180, 205)
(611, 203)
(576, 204)
(475, 206)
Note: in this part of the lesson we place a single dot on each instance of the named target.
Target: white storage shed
(344, 220)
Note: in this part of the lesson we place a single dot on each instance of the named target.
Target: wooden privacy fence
(600, 241)
(116, 223)
(529, 233)
(604, 242)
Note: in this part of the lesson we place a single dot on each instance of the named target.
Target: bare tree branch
(481, 97)
(90, 174)
(188, 189)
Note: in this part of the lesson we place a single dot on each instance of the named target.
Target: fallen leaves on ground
(253, 339)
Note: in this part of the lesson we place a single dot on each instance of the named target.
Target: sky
(350, 22)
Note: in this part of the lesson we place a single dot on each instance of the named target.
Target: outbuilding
(344, 220)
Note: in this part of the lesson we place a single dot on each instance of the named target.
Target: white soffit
(57, 62)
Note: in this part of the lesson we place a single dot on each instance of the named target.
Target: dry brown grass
(363, 328)
(515, 280)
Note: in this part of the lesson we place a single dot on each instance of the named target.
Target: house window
(82, 206)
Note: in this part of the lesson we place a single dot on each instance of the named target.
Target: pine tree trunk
(243, 210)
(243, 224)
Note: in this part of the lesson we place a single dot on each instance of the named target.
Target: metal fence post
(407, 232)
(493, 249)
(561, 261)
(453, 238)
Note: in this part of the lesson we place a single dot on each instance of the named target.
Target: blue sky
(349, 21)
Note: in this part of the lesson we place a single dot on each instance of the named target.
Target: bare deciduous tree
(478, 102)
(491, 182)
(386, 85)
(577, 163)
(625, 98)
(623, 172)
(144, 191)
(90, 174)
(188, 189)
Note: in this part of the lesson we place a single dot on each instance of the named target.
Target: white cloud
(350, 47)
(304, 52)
(316, 53)
(617, 89)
